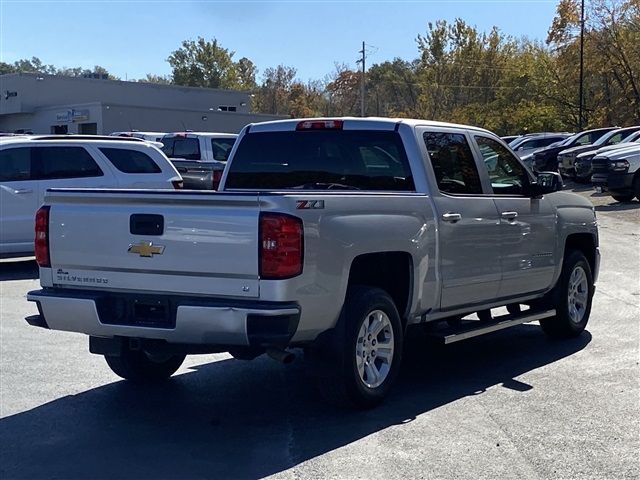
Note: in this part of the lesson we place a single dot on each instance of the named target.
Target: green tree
(202, 63)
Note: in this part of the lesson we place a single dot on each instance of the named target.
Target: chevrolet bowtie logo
(146, 249)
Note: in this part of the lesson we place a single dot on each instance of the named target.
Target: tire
(622, 197)
(352, 378)
(636, 186)
(484, 315)
(139, 367)
(573, 295)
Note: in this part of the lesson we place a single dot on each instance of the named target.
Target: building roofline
(127, 82)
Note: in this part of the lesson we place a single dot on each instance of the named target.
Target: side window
(15, 164)
(65, 162)
(507, 175)
(221, 148)
(453, 163)
(130, 161)
(585, 140)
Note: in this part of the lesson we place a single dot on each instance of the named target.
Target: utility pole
(362, 82)
(581, 100)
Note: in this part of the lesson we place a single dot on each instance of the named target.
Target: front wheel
(140, 367)
(573, 298)
(371, 350)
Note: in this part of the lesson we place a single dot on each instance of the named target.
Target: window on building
(453, 163)
(130, 161)
(88, 129)
(65, 162)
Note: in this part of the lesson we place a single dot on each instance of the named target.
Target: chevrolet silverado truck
(335, 236)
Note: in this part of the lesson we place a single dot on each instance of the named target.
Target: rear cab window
(321, 159)
(130, 161)
(181, 147)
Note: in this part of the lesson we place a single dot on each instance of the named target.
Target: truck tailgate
(155, 241)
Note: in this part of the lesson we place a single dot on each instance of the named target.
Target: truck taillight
(319, 125)
(215, 179)
(42, 237)
(177, 184)
(281, 246)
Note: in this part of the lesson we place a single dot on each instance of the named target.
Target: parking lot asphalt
(509, 405)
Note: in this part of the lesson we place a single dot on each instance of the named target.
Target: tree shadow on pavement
(18, 270)
(234, 419)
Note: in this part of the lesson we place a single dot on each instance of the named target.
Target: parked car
(31, 165)
(334, 235)
(566, 158)
(509, 138)
(199, 146)
(618, 172)
(150, 136)
(528, 143)
(546, 159)
(583, 160)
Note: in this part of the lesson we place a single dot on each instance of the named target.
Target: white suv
(31, 165)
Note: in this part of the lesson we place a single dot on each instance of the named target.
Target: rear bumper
(193, 320)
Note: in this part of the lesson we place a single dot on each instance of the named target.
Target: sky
(133, 38)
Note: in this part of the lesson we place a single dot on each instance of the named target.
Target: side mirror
(546, 182)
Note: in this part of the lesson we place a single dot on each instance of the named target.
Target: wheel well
(390, 271)
(585, 243)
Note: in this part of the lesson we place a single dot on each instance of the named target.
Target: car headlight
(620, 166)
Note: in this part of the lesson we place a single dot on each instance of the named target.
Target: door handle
(451, 217)
(509, 215)
(22, 190)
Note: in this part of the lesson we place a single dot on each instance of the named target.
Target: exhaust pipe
(281, 356)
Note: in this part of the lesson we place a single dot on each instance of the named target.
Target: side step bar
(499, 323)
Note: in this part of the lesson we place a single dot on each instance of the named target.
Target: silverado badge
(146, 249)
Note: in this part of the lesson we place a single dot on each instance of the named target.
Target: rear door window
(15, 164)
(222, 148)
(65, 162)
(453, 163)
(321, 159)
(130, 161)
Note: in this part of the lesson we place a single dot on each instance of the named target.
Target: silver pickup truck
(337, 236)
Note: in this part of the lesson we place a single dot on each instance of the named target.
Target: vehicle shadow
(618, 206)
(234, 419)
(18, 270)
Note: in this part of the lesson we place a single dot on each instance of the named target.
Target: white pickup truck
(334, 235)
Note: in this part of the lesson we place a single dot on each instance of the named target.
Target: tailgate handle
(146, 224)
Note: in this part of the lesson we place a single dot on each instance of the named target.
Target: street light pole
(362, 82)
(581, 100)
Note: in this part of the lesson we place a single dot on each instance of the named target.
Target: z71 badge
(309, 204)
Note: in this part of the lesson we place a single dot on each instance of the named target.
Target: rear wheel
(138, 366)
(573, 296)
(371, 351)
